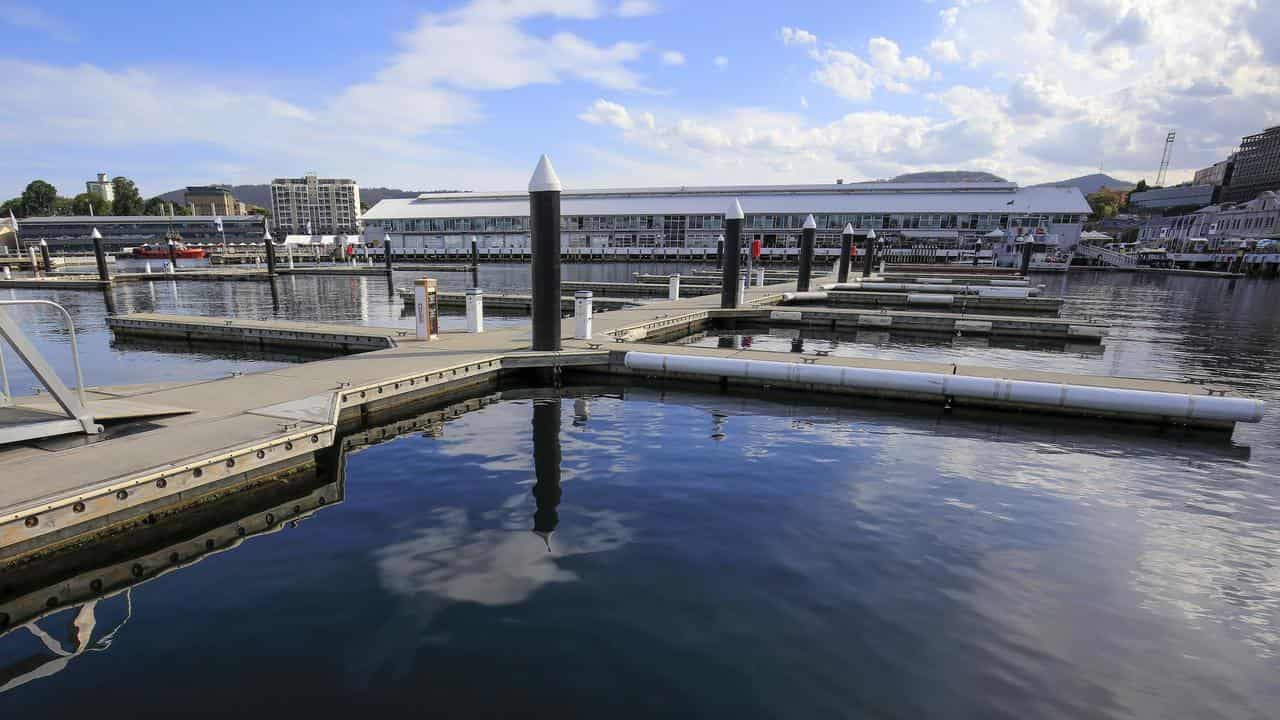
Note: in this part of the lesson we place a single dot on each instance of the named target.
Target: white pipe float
(810, 296)
(1177, 406)
(979, 290)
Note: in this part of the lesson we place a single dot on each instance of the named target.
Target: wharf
(256, 333)
(835, 319)
(241, 429)
(947, 269)
(939, 302)
(516, 302)
(615, 289)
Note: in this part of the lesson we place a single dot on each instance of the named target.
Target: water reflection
(546, 467)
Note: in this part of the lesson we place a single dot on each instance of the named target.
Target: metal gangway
(19, 423)
(1107, 257)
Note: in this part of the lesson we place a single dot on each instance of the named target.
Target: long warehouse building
(690, 220)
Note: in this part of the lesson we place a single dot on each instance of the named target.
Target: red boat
(162, 252)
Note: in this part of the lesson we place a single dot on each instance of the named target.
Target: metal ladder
(17, 424)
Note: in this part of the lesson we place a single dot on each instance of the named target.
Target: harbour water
(712, 555)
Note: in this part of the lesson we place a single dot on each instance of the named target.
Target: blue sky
(624, 92)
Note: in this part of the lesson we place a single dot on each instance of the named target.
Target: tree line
(41, 199)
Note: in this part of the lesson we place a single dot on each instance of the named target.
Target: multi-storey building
(213, 200)
(938, 214)
(1216, 227)
(101, 186)
(1218, 173)
(1256, 168)
(315, 205)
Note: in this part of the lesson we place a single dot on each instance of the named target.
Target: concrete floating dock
(243, 428)
(515, 301)
(922, 322)
(941, 302)
(257, 333)
(56, 282)
(617, 289)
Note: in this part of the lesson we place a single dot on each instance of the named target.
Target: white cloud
(29, 17)
(853, 78)
(720, 61)
(672, 57)
(804, 102)
(796, 36)
(944, 51)
(636, 8)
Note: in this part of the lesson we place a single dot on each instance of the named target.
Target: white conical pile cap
(995, 234)
(871, 234)
(95, 235)
(810, 223)
(735, 211)
(266, 234)
(848, 229)
(544, 177)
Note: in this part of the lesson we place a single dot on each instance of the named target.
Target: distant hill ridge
(941, 176)
(1092, 183)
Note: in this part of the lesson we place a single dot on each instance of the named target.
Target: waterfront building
(70, 233)
(1223, 226)
(1256, 168)
(213, 200)
(1218, 173)
(317, 205)
(102, 187)
(1178, 197)
(940, 215)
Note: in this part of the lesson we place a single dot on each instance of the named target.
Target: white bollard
(35, 264)
(168, 267)
(147, 267)
(475, 310)
(582, 315)
(760, 277)
(742, 290)
(881, 267)
(423, 313)
(8, 275)
(673, 287)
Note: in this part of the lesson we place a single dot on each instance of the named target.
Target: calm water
(704, 555)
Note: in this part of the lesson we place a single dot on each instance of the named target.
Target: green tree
(13, 205)
(1141, 186)
(62, 206)
(39, 198)
(255, 210)
(81, 204)
(127, 200)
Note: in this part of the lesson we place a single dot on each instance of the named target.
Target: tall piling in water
(270, 249)
(544, 244)
(1027, 247)
(44, 257)
(731, 255)
(846, 247)
(868, 253)
(100, 256)
(386, 252)
(808, 236)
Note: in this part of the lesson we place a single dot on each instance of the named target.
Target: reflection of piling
(546, 467)
(731, 255)
(544, 241)
(275, 293)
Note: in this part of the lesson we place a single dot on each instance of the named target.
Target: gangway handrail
(75, 348)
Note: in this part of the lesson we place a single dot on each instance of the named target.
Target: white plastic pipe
(147, 267)
(475, 310)
(760, 277)
(930, 299)
(1177, 406)
(811, 296)
(673, 287)
(582, 315)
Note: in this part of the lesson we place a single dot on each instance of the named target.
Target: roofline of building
(743, 190)
(109, 219)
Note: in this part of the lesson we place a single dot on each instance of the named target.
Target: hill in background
(939, 176)
(1092, 183)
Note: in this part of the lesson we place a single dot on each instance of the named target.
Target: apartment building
(315, 205)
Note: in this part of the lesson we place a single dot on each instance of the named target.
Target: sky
(467, 94)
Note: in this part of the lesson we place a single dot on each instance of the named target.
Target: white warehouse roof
(756, 199)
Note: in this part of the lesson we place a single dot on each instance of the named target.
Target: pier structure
(187, 440)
